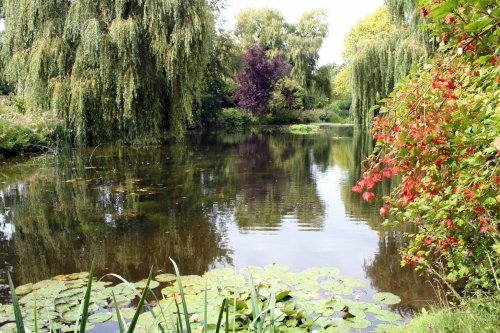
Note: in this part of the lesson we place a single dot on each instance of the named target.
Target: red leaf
(367, 196)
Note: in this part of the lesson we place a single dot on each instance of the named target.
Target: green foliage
(287, 94)
(23, 131)
(304, 45)
(255, 299)
(266, 27)
(440, 131)
(233, 118)
(476, 315)
(304, 129)
(366, 29)
(378, 66)
(380, 51)
(218, 81)
(299, 43)
(342, 82)
(323, 81)
(111, 69)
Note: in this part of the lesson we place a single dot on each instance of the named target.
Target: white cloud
(342, 16)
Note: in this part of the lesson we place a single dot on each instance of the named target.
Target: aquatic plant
(256, 299)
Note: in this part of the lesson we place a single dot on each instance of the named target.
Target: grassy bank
(22, 131)
(479, 314)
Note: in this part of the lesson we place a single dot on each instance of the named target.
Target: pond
(214, 200)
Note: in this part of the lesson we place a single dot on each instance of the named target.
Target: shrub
(287, 94)
(235, 118)
(440, 131)
(22, 131)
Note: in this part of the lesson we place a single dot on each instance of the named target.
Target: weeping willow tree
(110, 69)
(380, 62)
(304, 42)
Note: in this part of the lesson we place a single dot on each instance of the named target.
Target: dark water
(214, 200)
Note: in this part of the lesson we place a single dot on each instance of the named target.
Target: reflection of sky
(343, 243)
(6, 229)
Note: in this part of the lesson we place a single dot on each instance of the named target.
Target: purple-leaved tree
(257, 77)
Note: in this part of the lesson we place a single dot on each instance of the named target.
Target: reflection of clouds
(6, 229)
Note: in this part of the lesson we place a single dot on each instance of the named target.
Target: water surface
(214, 200)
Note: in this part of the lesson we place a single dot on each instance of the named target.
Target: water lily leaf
(166, 278)
(240, 304)
(24, 289)
(70, 316)
(351, 281)
(283, 294)
(100, 317)
(73, 328)
(386, 298)
(388, 316)
(383, 328)
(336, 287)
(142, 284)
(321, 271)
(296, 330)
(277, 268)
(358, 323)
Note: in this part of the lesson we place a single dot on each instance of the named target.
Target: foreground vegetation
(478, 314)
(269, 299)
(22, 131)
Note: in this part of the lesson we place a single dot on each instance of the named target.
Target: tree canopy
(299, 42)
(380, 55)
(257, 77)
(112, 69)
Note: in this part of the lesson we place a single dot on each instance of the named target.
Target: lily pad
(386, 298)
(384, 328)
(142, 284)
(24, 289)
(100, 317)
(388, 316)
(166, 278)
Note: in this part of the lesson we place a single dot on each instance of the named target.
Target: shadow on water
(214, 200)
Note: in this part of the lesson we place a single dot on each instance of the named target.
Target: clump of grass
(304, 129)
(477, 314)
(22, 131)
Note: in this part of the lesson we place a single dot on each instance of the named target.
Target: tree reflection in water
(131, 209)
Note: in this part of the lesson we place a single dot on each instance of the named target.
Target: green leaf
(444, 8)
(84, 309)
(133, 323)
(17, 308)
(386, 298)
(478, 25)
(388, 316)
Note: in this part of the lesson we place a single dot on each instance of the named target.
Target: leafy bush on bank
(440, 132)
(476, 315)
(22, 131)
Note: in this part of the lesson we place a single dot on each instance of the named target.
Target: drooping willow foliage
(380, 63)
(110, 69)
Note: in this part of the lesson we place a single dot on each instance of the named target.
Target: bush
(440, 132)
(476, 315)
(282, 117)
(287, 94)
(21, 131)
(232, 118)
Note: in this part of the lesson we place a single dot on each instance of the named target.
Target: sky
(342, 15)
